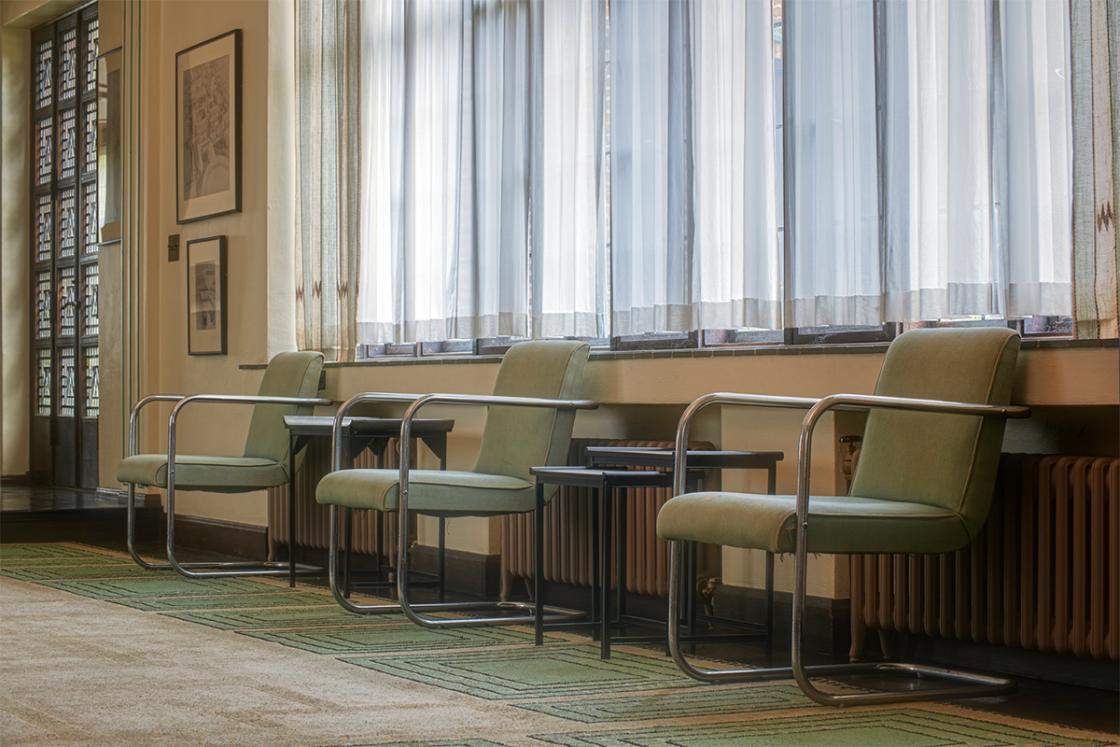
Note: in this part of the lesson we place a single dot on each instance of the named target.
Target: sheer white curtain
(941, 257)
(738, 261)
(651, 168)
(832, 225)
(1037, 152)
(978, 160)
(693, 188)
(568, 234)
(444, 183)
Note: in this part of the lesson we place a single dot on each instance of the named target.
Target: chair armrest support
(133, 427)
(878, 401)
(229, 399)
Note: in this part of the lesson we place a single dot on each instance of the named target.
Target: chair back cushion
(517, 438)
(933, 458)
(288, 375)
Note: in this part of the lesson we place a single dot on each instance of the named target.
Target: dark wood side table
(604, 482)
(699, 462)
(361, 434)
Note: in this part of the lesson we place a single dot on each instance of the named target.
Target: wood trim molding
(231, 538)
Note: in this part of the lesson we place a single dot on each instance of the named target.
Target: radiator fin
(1044, 575)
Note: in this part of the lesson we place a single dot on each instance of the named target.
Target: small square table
(604, 482)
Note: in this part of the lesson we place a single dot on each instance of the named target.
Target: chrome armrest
(134, 416)
(878, 401)
(417, 401)
(816, 408)
(229, 399)
(680, 453)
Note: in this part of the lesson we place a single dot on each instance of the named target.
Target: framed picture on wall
(206, 296)
(208, 128)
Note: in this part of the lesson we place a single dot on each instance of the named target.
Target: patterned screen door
(64, 251)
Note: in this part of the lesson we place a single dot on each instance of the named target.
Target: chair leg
(205, 569)
(967, 684)
(130, 513)
(414, 610)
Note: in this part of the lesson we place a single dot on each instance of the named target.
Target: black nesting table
(361, 434)
(614, 468)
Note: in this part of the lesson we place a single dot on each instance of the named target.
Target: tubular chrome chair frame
(412, 611)
(209, 569)
(970, 684)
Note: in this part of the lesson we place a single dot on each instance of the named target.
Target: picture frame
(206, 296)
(208, 128)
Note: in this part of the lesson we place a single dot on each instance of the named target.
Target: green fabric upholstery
(924, 481)
(265, 460)
(203, 472)
(447, 492)
(288, 375)
(514, 439)
(517, 438)
(936, 459)
(837, 524)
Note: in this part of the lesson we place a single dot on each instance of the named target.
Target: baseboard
(827, 621)
(467, 573)
(246, 541)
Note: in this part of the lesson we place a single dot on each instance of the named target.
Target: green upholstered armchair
(923, 484)
(289, 387)
(528, 424)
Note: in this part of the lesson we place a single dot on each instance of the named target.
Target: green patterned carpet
(637, 699)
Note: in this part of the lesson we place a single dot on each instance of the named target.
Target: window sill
(707, 352)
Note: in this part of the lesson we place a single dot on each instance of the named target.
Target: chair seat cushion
(446, 492)
(203, 472)
(837, 524)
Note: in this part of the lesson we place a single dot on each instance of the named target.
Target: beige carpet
(77, 671)
(95, 651)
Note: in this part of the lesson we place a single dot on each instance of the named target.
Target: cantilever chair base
(967, 684)
(206, 569)
(263, 463)
(984, 363)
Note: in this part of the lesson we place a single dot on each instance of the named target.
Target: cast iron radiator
(1044, 575)
(567, 529)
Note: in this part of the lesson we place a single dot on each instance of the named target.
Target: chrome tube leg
(538, 567)
(348, 534)
(174, 563)
(130, 534)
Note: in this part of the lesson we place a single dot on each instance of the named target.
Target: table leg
(595, 574)
(605, 497)
(441, 559)
(620, 550)
(291, 511)
(538, 567)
